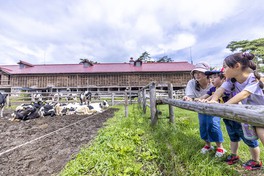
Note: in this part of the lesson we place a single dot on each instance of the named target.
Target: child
(210, 129)
(244, 83)
(217, 78)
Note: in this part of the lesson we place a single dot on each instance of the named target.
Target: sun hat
(201, 67)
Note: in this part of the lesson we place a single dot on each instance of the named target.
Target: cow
(85, 97)
(71, 96)
(84, 110)
(98, 106)
(25, 112)
(47, 110)
(2, 103)
(37, 97)
(96, 96)
(57, 96)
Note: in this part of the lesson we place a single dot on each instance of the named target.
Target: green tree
(165, 59)
(254, 46)
(145, 57)
(87, 60)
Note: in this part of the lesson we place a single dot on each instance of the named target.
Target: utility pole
(191, 55)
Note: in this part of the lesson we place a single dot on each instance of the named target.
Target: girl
(210, 129)
(244, 83)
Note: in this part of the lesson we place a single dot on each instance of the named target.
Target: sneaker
(206, 149)
(252, 165)
(220, 152)
(232, 159)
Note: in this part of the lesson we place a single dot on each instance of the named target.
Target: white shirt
(191, 92)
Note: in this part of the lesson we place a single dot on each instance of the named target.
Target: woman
(210, 129)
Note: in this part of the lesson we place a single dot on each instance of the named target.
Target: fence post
(126, 104)
(32, 97)
(113, 99)
(171, 108)
(8, 102)
(144, 100)
(139, 99)
(153, 108)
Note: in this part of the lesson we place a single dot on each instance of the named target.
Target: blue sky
(63, 31)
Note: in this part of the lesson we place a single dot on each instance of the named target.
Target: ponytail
(253, 66)
(257, 75)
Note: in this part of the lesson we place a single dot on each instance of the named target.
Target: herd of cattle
(39, 108)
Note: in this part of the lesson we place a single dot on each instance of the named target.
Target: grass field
(130, 146)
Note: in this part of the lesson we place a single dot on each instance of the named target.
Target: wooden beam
(251, 114)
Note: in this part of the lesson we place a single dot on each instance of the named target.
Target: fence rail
(252, 114)
(27, 97)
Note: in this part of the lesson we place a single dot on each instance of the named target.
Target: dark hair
(245, 59)
(197, 84)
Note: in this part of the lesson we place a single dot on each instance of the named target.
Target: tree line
(253, 46)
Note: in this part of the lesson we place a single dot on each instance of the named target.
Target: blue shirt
(223, 99)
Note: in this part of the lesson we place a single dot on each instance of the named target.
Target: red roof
(98, 68)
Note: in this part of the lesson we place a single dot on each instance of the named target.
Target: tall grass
(130, 146)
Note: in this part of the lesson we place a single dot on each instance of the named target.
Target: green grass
(130, 146)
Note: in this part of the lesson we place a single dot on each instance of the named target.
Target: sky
(112, 31)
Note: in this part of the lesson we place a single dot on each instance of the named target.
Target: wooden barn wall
(179, 79)
(4, 79)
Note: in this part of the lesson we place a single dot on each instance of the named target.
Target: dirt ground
(43, 146)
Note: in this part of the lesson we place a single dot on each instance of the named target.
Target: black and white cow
(98, 106)
(26, 112)
(2, 103)
(47, 109)
(85, 97)
(37, 97)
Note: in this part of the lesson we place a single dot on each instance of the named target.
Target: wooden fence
(252, 114)
(27, 97)
(149, 93)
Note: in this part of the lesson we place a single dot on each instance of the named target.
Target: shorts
(235, 133)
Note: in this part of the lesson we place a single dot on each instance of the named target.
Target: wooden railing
(252, 114)
(27, 97)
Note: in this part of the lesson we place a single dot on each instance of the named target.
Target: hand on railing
(200, 100)
(211, 101)
(186, 98)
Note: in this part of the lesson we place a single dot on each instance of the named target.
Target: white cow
(57, 96)
(98, 106)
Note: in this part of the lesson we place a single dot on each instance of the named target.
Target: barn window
(138, 63)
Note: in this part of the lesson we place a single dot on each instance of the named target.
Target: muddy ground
(43, 146)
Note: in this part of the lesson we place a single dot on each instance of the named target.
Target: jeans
(210, 128)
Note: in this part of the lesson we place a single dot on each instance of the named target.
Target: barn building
(93, 77)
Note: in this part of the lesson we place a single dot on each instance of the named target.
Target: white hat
(201, 67)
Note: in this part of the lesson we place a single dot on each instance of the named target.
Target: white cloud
(63, 31)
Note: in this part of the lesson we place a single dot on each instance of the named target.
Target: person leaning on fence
(209, 126)
(244, 83)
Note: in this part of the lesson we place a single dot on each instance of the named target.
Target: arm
(202, 98)
(186, 98)
(239, 97)
(218, 94)
(189, 94)
(205, 96)
(209, 98)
